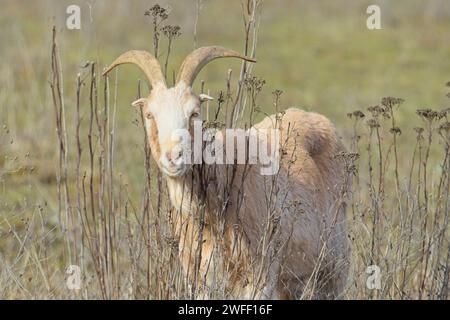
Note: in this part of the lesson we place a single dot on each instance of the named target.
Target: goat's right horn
(144, 60)
(198, 58)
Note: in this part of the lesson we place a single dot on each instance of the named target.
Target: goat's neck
(181, 192)
(206, 194)
(196, 189)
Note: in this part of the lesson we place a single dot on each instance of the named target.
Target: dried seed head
(419, 132)
(221, 98)
(277, 93)
(390, 102)
(253, 83)
(157, 12)
(171, 32)
(427, 114)
(213, 125)
(348, 159)
(395, 130)
(375, 110)
(358, 114)
(373, 123)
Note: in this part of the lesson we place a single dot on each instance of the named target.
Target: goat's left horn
(144, 60)
(196, 60)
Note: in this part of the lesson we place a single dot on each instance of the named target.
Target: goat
(280, 237)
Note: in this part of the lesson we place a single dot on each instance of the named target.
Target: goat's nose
(177, 138)
(174, 155)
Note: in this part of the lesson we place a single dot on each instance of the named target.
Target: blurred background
(319, 53)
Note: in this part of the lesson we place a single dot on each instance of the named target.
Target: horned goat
(282, 236)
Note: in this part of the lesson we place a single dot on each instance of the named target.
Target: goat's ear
(204, 97)
(141, 103)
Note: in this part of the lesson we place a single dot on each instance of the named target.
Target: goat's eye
(148, 115)
(195, 114)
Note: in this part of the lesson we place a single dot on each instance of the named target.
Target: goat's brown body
(281, 236)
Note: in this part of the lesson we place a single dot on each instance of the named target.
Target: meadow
(77, 186)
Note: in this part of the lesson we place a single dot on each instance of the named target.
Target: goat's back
(311, 187)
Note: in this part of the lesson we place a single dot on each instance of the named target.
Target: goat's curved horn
(144, 60)
(198, 58)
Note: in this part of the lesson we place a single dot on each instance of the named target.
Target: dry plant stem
(424, 235)
(198, 8)
(251, 26)
(58, 102)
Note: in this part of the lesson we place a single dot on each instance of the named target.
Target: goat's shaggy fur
(307, 254)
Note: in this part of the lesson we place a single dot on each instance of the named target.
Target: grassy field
(323, 58)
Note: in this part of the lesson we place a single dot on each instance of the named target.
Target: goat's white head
(170, 112)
